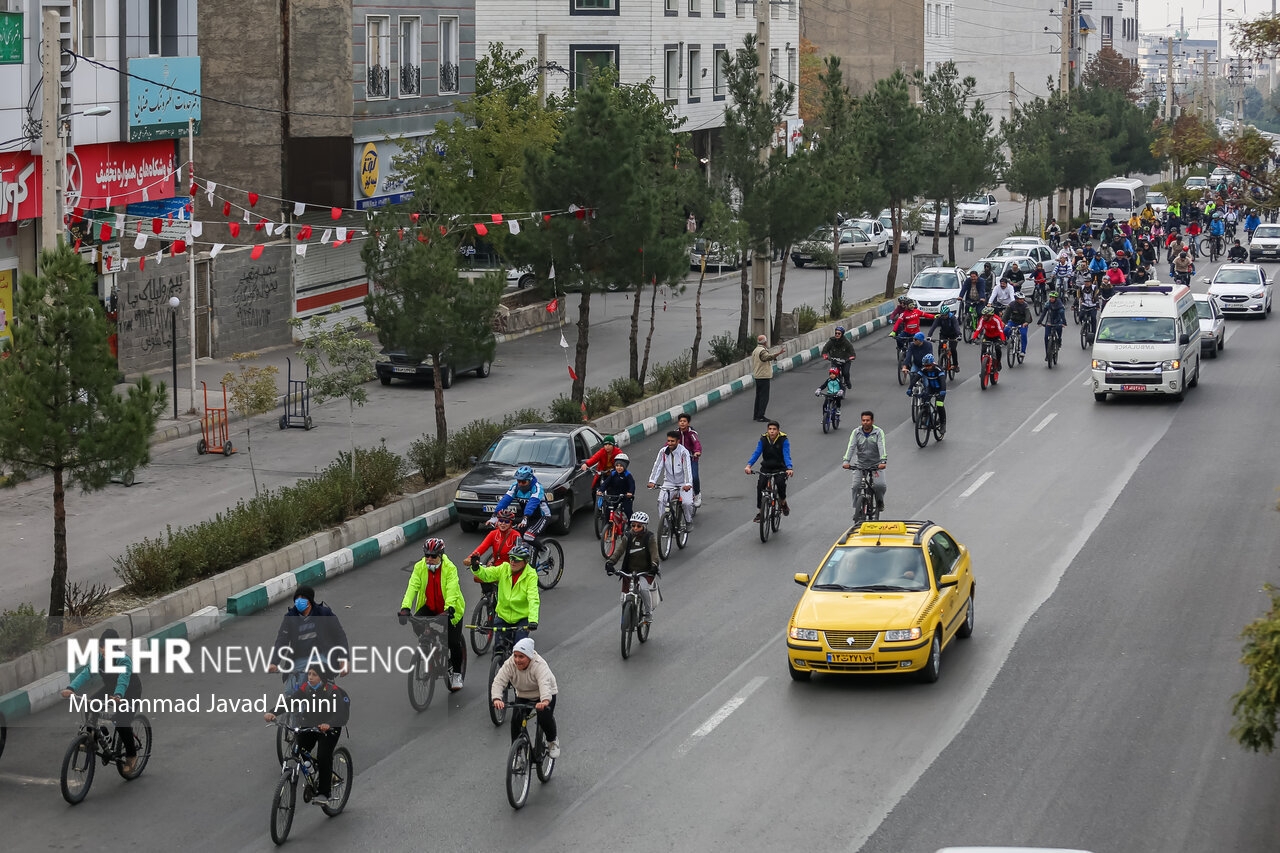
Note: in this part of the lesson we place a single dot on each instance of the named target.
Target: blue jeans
(697, 484)
(1022, 331)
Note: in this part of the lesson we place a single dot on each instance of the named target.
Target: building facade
(873, 38)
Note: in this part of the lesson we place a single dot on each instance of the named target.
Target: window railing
(448, 77)
(410, 80)
(379, 82)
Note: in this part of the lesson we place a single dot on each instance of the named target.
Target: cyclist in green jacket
(434, 590)
(518, 598)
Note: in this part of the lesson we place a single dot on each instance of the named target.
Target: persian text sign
(159, 109)
(11, 38)
(19, 186)
(113, 173)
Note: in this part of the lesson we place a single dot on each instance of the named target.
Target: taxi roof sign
(882, 527)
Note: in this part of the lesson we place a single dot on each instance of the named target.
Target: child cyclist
(602, 460)
(619, 483)
(833, 387)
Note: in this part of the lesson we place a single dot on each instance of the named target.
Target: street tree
(1028, 134)
(59, 410)
(252, 392)
(718, 226)
(1108, 69)
(811, 86)
(1257, 707)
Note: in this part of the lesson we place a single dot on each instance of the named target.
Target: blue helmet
(840, 329)
(928, 359)
(919, 336)
(524, 472)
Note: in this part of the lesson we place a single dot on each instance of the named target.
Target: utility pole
(1064, 81)
(762, 265)
(191, 266)
(1168, 80)
(542, 71)
(1204, 89)
(1011, 96)
(50, 128)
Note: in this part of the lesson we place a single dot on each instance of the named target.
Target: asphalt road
(1118, 550)
(180, 487)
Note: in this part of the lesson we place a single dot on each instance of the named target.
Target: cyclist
(1124, 261)
(309, 633)
(693, 444)
(988, 277)
(1237, 254)
(774, 452)
(839, 345)
(1012, 274)
(908, 322)
(1089, 299)
(992, 332)
(1018, 316)
(639, 553)
(536, 510)
(916, 351)
(1183, 268)
(1052, 315)
(1097, 268)
(974, 295)
(1115, 275)
(518, 599)
(1062, 273)
(898, 310)
(933, 381)
(867, 451)
(1039, 278)
(532, 679)
(1193, 231)
(324, 706)
(675, 466)
(434, 591)
(1140, 275)
(1055, 233)
(121, 687)
(498, 543)
(1002, 295)
(619, 482)
(1148, 214)
(948, 326)
(833, 387)
(1217, 230)
(602, 460)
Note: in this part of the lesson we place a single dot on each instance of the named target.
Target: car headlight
(1259, 294)
(1099, 364)
(809, 634)
(464, 495)
(901, 636)
(1172, 364)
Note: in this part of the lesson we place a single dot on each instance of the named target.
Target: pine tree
(59, 411)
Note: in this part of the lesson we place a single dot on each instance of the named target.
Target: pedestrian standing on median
(762, 360)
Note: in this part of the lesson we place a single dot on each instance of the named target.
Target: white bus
(1118, 197)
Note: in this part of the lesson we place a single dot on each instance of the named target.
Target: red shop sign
(113, 173)
(19, 186)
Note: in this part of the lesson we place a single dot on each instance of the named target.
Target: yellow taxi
(888, 597)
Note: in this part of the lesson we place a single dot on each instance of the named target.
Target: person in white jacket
(528, 673)
(674, 466)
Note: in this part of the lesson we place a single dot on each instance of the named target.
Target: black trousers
(321, 745)
(456, 649)
(546, 719)
(762, 398)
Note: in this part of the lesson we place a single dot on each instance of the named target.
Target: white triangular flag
(301, 249)
(281, 228)
(299, 208)
(246, 214)
(140, 240)
(342, 234)
(563, 342)
(93, 258)
(324, 238)
(145, 195)
(124, 264)
(552, 272)
(159, 256)
(120, 222)
(179, 173)
(217, 247)
(573, 208)
(208, 191)
(108, 204)
(197, 228)
(514, 226)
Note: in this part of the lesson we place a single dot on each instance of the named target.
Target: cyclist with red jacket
(991, 330)
(498, 544)
(602, 461)
(909, 321)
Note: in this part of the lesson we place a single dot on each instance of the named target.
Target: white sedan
(1213, 326)
(979, 208)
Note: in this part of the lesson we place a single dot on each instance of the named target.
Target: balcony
(379, 82)
(410, 80)
(448, 77)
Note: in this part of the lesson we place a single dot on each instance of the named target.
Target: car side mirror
(802, 578)
(1184, 339)
(948, 580)
(472, 460)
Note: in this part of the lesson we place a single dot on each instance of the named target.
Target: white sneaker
(553, 748)
(455, 681)
(697, 499)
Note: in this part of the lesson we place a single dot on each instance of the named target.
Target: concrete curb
(187, 613)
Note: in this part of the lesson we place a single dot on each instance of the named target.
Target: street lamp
(174, 302)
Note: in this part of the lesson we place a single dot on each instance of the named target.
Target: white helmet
(639, 518)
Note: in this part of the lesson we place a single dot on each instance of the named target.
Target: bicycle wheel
(601, 520)
(282, 806)
(78, 766)
(550, 563)
(1053, 352)
(902, 379)
(681, 526)
(140, 730)
(343, 772)
(422, 681)
(826, 418)
(986, 371)
(609, 540)
(1011, 352)
(766, 528)
(518, 772)
(498, 717)
(1086, 335)
(1206, 245)
(939, 425)
(482, 614)
(628, 626)
(547, 765)
(284, 738)
(665, 536)
(924, 426)
(835, 419)
(915, 408)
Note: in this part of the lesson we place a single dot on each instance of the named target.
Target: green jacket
(515, 601)
(416, 595)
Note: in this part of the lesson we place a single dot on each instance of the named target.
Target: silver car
(1213, 326)
(855, 246)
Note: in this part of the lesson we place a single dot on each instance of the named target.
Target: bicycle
(864, 501)
(94, 740)
(1052, 345)
(902, 357)
(1211, 246)
(770, 505)
(1087, 328)
(615, 526)
(503, 644)
(482, 617)
(300, 763)
(947, 358)
(672, 526)
(284, 734)
(990, 363)
(547, 560)
(635, 621)
(830, 414)
(1013, 352)
(432, 660)
(524, 752)
(930, 421)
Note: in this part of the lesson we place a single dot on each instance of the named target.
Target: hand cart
(213, 427)
(297, 401)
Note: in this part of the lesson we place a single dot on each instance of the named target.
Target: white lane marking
(721, 715)
(1044, 423)
(977, 484)
(28, 780)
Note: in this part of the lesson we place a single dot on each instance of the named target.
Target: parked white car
(927, 213)
(979, 208)
(874, 229)
(1041, 253)
(908, 238)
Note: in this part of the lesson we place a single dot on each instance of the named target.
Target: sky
(1161, 16)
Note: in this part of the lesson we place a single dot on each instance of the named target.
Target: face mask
(302, 604)
(314, 686)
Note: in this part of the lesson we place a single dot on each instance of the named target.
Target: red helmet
(433, 547)
(835, 371)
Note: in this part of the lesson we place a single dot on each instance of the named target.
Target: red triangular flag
(77, 244)
(226, 208)
(422, 239)
(179, 246)
(442, 231)
(256, 252)
(572, 375)
(551, 306)
(193, 188)
(258, 227)
(580, 213)
(105, 234)
(400, 231)
(156, 226)
(413, 216)
(77, 214)
(481, 230)
(142, 262)
(253, 199)
(335, 213)
(497, 217)
(304, 233)
(235, 228)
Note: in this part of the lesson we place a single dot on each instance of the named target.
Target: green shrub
(806, 318)
(472, 440)
(523, 416)
(565, 411)
(428, 457)
(599, 401)
(21, 630)
(663, 377)
(626, 389)
(725, 349)
(836, 308)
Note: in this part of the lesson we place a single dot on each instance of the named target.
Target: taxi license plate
(489, 508)
(1133, 387)
(406, 370)
(844, 657)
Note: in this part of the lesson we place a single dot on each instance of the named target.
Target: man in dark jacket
(309, 633)
(839, 346)
(638, 554)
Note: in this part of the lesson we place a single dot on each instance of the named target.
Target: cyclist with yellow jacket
(518, 598)
(434, 590)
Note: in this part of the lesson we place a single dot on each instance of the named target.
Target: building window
(162, 27)
(377, 38)
(928, 19)
(588, 59)
(791, 65)
(695, 73)
(671, 91)
(773, 67)
(671, 8)
(448, 56)
(695, 8)
(947, 28)
(593, 7)
(718, 87)
(718, 8)
(410, 57)
(774, 10)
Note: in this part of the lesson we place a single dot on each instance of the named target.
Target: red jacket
(1115, 275)
(501, 544)
(990, 328)
(909, 322)
(602, 459)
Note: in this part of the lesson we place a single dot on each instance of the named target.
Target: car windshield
(822, 235)
(997, 266)
(865, 224)
(887, 222)
(1137, 330)
(1195, 182)
(523, 448)
(1236, 277)
(1156, 198)
(936, 281)
(1202, 310)
(1271, 231)
(977, 199)
(1113, 197)
(1007, 251)
(871, 568)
